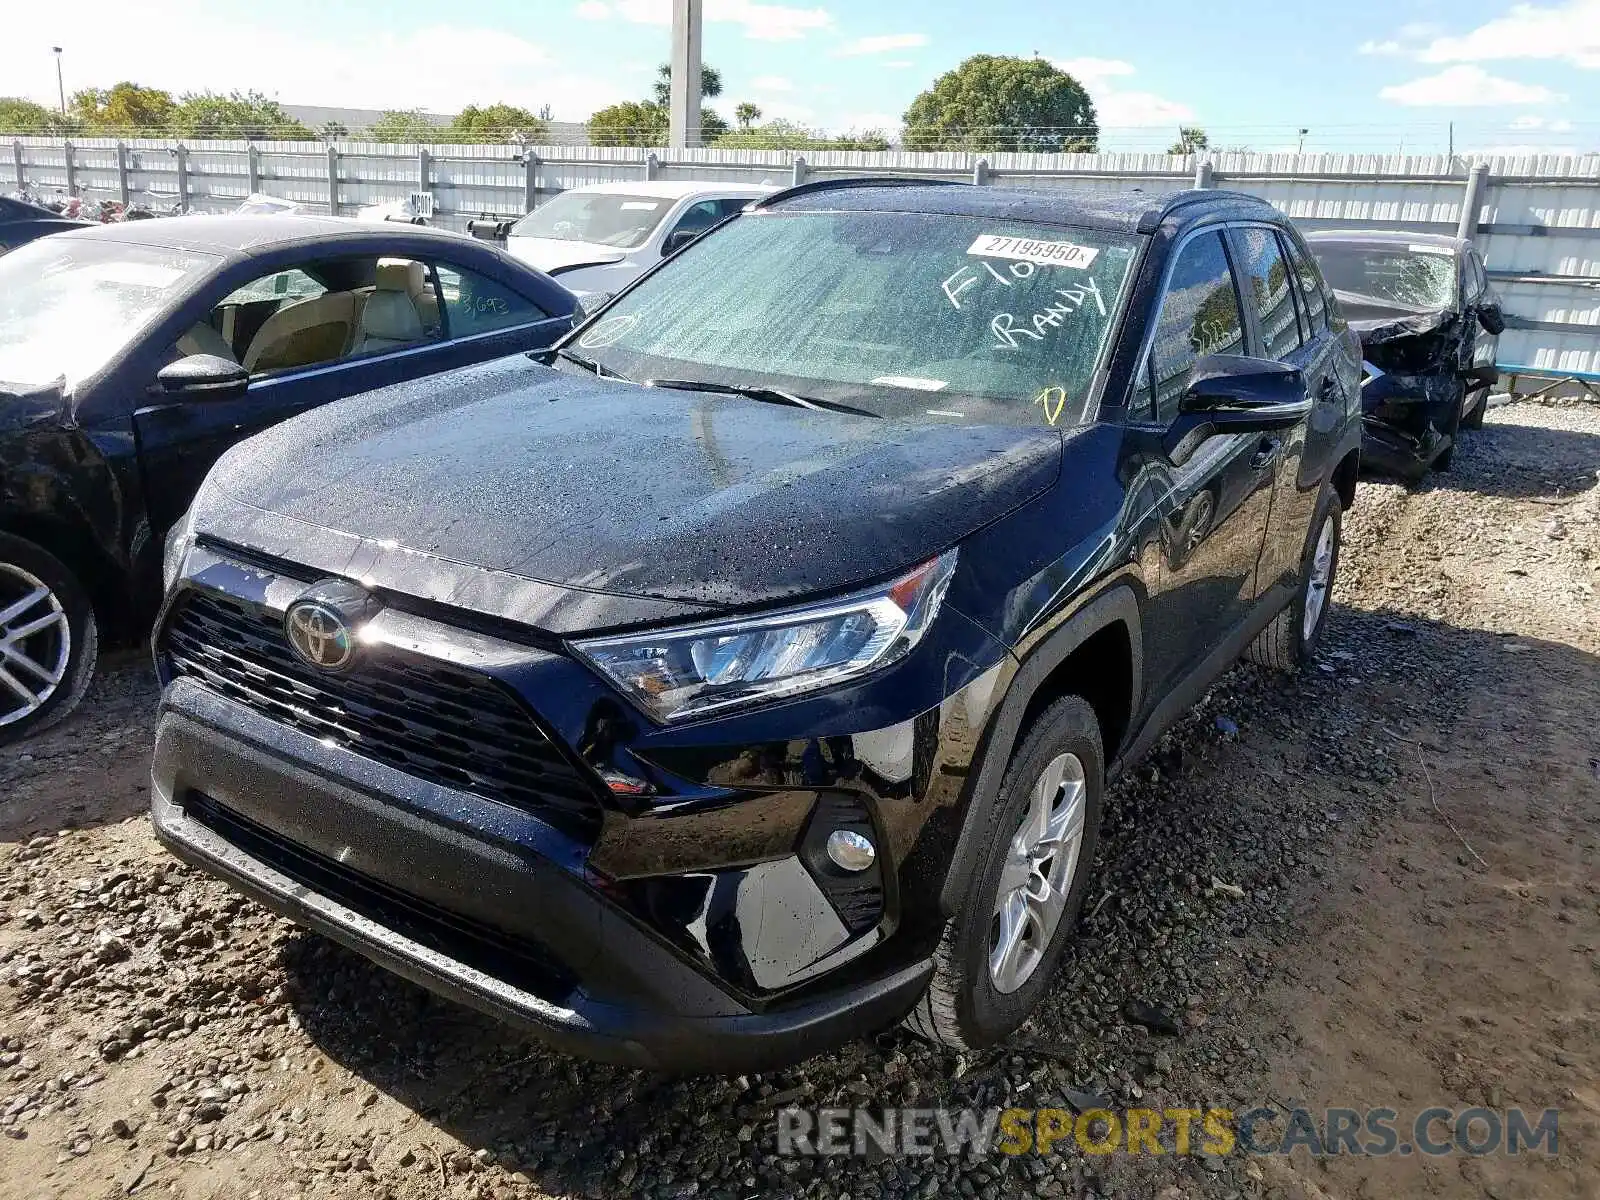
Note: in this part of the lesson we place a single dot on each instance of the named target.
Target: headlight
(676, 674)
(180, 538)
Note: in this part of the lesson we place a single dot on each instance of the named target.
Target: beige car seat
(202, 338)
(390, 317)
(303, 333)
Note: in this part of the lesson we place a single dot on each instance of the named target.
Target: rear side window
(1266, 278)
(475, 304)
(1199, 316)
(1311, 293)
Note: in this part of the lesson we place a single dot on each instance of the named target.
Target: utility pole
(684, 112)
(61, 88)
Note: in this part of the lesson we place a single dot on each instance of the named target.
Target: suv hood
(466, 487)
(553, 254)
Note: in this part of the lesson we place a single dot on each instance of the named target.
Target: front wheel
(1291, 640)
(1026, 885)
(1473, 419)
(48, 640)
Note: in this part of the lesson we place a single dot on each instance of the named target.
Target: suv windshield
(906, 314)
(1414, 277)
(67, 306)
(603, 218)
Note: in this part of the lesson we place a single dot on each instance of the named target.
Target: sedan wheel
(48, 639)
(1320, 577)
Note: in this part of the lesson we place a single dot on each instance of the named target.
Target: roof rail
(1153, 217)
(853, 181)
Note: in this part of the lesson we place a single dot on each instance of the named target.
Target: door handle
(1266, 453)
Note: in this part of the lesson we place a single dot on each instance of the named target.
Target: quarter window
(1266, 278)
(1199, 316)
(1316, 305)
(474, 303)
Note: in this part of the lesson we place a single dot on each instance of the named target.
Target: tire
(1474, 415)
(964, 1007)
(55, 662)
(1286, 644)
(1452, 429)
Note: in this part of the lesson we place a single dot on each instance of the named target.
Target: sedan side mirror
(203, 377)
(1228, 393)
(1492, 317)
(677, 240)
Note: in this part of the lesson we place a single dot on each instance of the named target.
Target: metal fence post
(1472, 203)
(16, 156)
(980, 172)
(1202, 175)
(424, 171)
(652, 166)
(122, 173)
(252, 169)
(333, 180)
(180, 155)
(530, 181)
(798, 171)
(72, 168)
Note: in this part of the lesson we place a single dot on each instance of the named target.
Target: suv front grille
(439, 722)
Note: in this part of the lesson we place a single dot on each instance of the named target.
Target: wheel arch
(1097, 653)
(1344, 477)
(78, 551)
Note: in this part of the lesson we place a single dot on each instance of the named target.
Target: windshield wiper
(767, 395)
(589, 364)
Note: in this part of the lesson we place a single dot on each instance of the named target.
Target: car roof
(1386, 237)
(12, 209)
(676, 189)
(243, 234)
(1127, 211)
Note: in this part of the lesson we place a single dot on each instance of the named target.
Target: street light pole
(61, 88)
(683, 125)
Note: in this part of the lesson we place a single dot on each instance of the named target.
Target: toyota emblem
(323, 625)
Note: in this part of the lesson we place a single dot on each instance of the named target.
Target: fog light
(850, 851)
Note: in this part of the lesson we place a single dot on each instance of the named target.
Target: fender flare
(1116, 605)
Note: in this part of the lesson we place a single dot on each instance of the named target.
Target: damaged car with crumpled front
(1429, 326)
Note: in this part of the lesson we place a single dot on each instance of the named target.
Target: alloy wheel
(35, 643)
(1320, 579)
(1041, 863)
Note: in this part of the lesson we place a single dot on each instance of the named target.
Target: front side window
(475, 304)
(69, 305)
(1266, 277)
(931, 316)
(1417, 277)
(1312, 297)
(599, 218)
(1199, 316)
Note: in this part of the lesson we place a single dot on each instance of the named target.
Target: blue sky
(1372, 75)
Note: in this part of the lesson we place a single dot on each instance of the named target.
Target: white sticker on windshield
(1049, 254)
(914, 382)
(1420, 249)
(640, 205)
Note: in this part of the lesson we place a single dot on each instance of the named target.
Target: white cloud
(192, 48)
(772, 83)
(1116, 108)
(877, 45)
(761, 22)
(1466, 85)
(1568, 32)
(1387, 47)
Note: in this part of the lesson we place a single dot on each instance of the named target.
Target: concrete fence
(1536, 218)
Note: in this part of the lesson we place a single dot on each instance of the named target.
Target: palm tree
(746, 114)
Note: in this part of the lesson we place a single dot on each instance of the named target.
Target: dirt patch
(1373, 884)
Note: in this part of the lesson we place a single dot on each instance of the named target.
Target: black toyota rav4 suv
(748, 676)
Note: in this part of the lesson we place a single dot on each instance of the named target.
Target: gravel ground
(1371, 884)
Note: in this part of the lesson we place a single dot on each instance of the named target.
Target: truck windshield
(933, 316)
(69, 305)
(600, 218)
(1419, 277)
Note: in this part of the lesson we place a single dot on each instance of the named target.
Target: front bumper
(445, 889)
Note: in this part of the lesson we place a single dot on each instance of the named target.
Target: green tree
(24, 116)
(1191, 138)
(124, 106)
(786, 135)
(631, 123)
(990, 103)
(710, 84)
(332, 131)
(746, 114)
(496, 123)
(405, 125)
(249, 115)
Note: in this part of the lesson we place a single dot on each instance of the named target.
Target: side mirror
(1492, 317)
(203, 377)
(677, 240)
(1228, 393)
